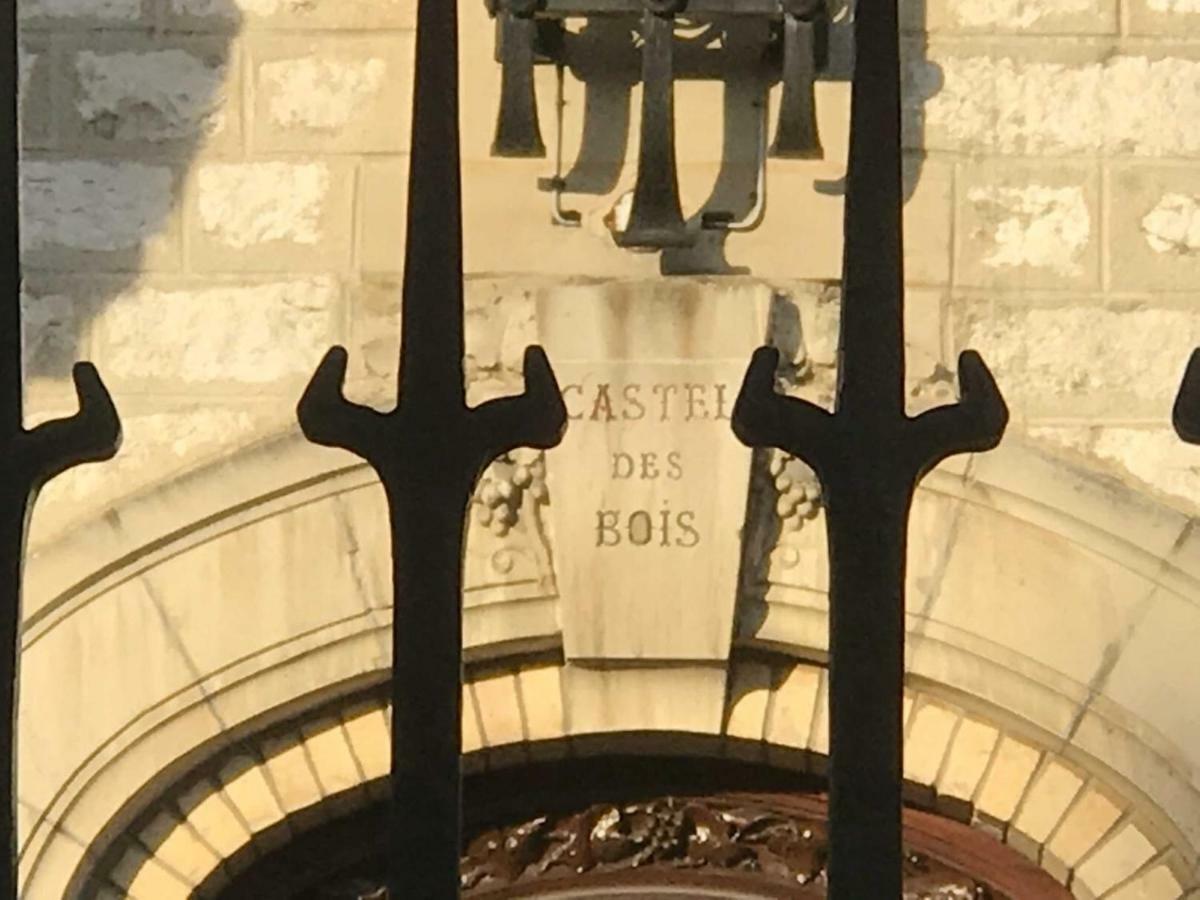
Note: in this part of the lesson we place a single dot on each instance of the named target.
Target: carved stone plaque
(650, 484)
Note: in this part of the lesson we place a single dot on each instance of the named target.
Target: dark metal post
(656, 217)
(797, 136)
(517, 130)
(31, 457)
(869, 456)
(428, 453)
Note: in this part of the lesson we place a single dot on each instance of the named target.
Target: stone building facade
(213, 193)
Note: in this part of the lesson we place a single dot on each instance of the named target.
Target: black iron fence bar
(1186, 414)
(869, 456)
(428, 453)
(31, 457)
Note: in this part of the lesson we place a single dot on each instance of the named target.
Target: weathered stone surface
(270, 331)
(182, 851)
(272, 216)
(157, 446)
(926, 741)
(367, 732)
(1006, 103)
(84, 12)
(98, 215)
(686, 698)
(329, 751)
(1118, 858)
(130, 95)
(967, 759)
(1061, 359)
(210, 814)
(1087, 821)
(333, 94)
(249, 792)
(341, 14)
(1007, 778)
(382, 203)
(1168, 18)
(1159, 883)
(1028, 226)
(1049, 797)
(1154, 239)
(1021, 17)
(291, 773)
(54, 324)
(540, 692)
(36, 93)
(636, 511)
(793, 707)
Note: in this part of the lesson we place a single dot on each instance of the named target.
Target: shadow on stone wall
(118, 100)
(735, 52)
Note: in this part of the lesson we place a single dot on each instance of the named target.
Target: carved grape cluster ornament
(503, 488)
(797, 491)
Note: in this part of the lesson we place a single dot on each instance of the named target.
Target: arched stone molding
(1059, 811)
(1053, 604)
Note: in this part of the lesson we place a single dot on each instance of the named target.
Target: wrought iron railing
(431, 449)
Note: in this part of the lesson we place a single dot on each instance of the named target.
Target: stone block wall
(1071, 131)
(214, 193)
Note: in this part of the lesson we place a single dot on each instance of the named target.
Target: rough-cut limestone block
(1154, 227)
(382, 205)
(134, 96)
(98, 215)
(36, 93)
(499, 709)
(1052, 792)
(1171, 18)
(929, 733)
(253, 333)
(793, 706)
(271, 215)
(289, 770)
(1052, 99)
(212, 817)
(368, 734)
(227, 15)
(247, 789)
(1157, 883)
(332, 94)
(1117, 859)
(1018, 17)
(85, 14)
(1028, 225)
(53, 321)
(331, 758)
(676, 698)
(1088, 820)
(149, 878)
(540, 690)
(1004, 785)
(749, 696)
(929, 188)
